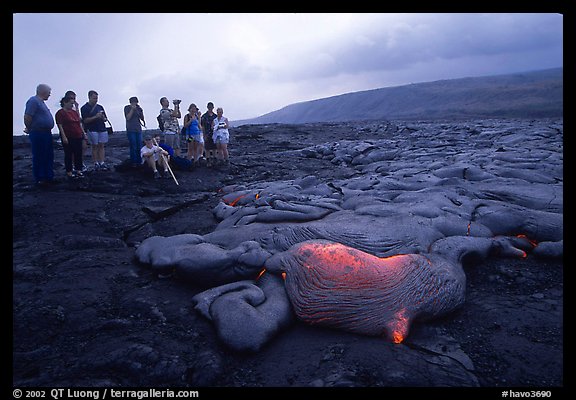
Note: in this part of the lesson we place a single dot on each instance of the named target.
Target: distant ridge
(534, 94)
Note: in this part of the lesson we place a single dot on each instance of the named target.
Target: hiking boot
(156, 175)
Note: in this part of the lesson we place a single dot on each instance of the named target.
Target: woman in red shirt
(72, 134)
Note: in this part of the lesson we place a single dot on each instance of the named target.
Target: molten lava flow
(532, 242)
(347, 262)
(334, 285)
(236, 200)
(261, 273)
(283, 275)
(400, 327)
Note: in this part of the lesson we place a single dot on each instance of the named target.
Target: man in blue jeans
(134, 121)
(39, 123)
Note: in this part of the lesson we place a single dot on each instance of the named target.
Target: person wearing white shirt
(221, 136)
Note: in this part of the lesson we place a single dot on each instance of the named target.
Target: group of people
(202, 140)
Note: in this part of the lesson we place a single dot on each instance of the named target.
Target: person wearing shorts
(93, 118)
(171, 126)
(221, 136)
(194, 136)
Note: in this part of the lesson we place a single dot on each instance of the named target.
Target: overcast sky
(252, 64)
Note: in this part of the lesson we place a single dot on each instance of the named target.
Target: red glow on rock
(257, 196)
(261, 273)
(283, 275)
(531, 241)
(236, 200)
(348, 262)
(468, 231)
(400, 326)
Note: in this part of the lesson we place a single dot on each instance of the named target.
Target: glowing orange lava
(531, 241)
(236, 200)
(401, 327)
(261, 273)
(283, 275)
(348, 262)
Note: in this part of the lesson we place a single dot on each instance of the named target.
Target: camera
(176, 101)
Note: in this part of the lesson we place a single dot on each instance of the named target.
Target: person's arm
(130, 112)
(60, 124)
(62, 134)
(176, 112)
(28, 115)
(226, 122)
(144, 153)
(187, 120)
(27, 122)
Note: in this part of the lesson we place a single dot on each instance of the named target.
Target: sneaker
(84, 168)
(167, 174)
(104, 167)
(156, 175)
(96, 167)
(79, 174)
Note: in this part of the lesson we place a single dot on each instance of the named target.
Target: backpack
(160, 121)
(181, 163)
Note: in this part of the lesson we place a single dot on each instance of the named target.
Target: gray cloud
(429, 37)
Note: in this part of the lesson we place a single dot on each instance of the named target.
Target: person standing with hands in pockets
(134, 120)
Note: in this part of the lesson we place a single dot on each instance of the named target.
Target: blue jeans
(42, 155)
(135, 139)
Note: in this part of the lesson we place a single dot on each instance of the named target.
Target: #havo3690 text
(530, 394)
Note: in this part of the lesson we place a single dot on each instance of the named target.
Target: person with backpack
(209, 145)
(168, 123)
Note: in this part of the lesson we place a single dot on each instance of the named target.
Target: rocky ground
(85, 313)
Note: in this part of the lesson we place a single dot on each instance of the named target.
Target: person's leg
(84, 148)
(200, 150)
(102, 140)
(137, 146)
(76, 145)
(42, 156)
(93, 140)
(194, 146)
(162, 163)
(225, 151)
(151, 163)
(135, 140)
(68, 151)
